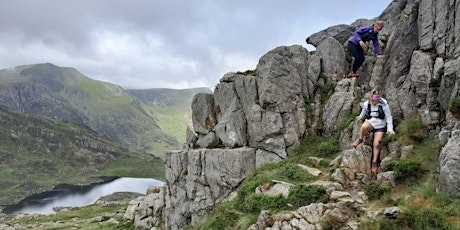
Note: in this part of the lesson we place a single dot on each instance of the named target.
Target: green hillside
(38, 153)
(64, 93)
(170, 107)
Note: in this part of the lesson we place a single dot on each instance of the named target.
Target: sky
(176, 44)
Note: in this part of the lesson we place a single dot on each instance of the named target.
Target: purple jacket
(366, 33)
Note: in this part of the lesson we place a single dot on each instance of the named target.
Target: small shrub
(392, 224)
(318, 146)
(454, 107)
(429, 219)
(255, 203)
(407, 171)
(303, 195)
(323, 163)
(449, 204)
(293, 172)
(224, 217)
(327, 225)
(249, 187)
(327, 90)
(350, 117)
(375, 191)
(315, 146)
(248, 72)
(412, 130)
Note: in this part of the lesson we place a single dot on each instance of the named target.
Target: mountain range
(130, 118)
(59, 126)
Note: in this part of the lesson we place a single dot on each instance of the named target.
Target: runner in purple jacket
(356, 44)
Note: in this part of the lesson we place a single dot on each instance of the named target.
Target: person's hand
(358, 118)
(380, 56)
(361, 43)
(391, 132)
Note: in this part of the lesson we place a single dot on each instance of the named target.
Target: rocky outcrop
(449, 161)
(341, 33)
(198, 180)
(294, 93)
(248, 110)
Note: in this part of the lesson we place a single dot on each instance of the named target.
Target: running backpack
(381, 113)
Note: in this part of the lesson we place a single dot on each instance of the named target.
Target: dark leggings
(383, 130)
(358, 53)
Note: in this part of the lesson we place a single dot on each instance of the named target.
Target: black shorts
(382, 130)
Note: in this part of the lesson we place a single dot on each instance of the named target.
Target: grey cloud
(163, 42)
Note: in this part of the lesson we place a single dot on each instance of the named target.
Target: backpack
(381, 113)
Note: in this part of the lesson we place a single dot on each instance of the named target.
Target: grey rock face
(197, 180)
(448, 180)
(340, 32)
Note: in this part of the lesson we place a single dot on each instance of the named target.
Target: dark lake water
(75, 196)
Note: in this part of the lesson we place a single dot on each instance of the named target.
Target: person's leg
(378, 136)
(366, 128)
(358, 53)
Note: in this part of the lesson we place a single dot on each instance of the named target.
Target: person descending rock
(356, 44)
(378, 120)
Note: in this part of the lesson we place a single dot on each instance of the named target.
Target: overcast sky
(164, 43)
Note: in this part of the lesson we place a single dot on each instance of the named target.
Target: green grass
(38, 153)
(145, 168)
(415, 192)
(411, 131)
(79, 218)
(173, 120)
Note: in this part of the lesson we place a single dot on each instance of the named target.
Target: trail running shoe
(358, 142)
(355, 75)
(374, 167)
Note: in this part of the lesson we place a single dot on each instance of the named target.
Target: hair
(379, 22)
(373, 92)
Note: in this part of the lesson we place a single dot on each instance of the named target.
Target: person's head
(374, 97)
(378, 26)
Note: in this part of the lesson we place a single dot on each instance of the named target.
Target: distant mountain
(171, 108)
(167, 97)
(68, 95)
(37, 153)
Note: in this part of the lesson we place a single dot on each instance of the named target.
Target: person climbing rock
(357, 42)
(378, 120)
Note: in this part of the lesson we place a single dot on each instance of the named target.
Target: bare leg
(378, 136)
(366, 128)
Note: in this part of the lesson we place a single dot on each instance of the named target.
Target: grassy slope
(105, 107)
(171, 109)
(154, 139)
(173, 120)
(37, 153)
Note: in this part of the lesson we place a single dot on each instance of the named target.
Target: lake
(76, 196)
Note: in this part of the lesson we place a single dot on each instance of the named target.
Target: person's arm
(357, 34)
(388, 119)
(361, 116)
(376, 44)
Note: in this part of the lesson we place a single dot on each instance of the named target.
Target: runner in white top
(378, 120)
